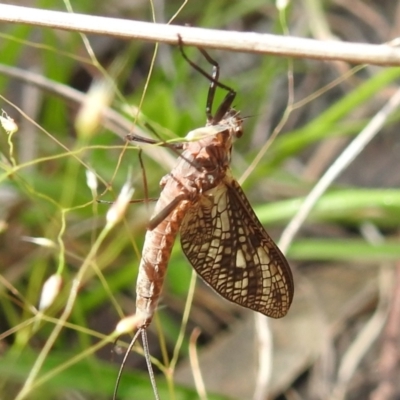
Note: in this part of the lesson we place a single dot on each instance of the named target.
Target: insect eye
(238, 132)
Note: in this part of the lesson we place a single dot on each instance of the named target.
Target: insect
(220, 234)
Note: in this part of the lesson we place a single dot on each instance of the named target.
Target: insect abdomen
(155, 256)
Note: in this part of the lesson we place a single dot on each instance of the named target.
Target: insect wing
(229, 248)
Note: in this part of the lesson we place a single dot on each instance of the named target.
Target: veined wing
(229, 248)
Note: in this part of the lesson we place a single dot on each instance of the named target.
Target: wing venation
(229, 248)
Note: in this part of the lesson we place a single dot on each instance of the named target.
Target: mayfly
(220, 234)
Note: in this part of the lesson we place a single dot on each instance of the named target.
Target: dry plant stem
(346, 157)
(30, 381)
(185, 319)
(112, 119)
(264, 349)
(389, 359)
(194, 363)
(16, 328)
(228, 40)
(48, 376)
(366, 337)
(262, 327)
(30, 102)
(369, 333)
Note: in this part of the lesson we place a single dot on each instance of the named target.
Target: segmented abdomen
(155, 256)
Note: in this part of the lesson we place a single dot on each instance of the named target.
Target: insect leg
(214, 82)
(139, 139)
(230, 96)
